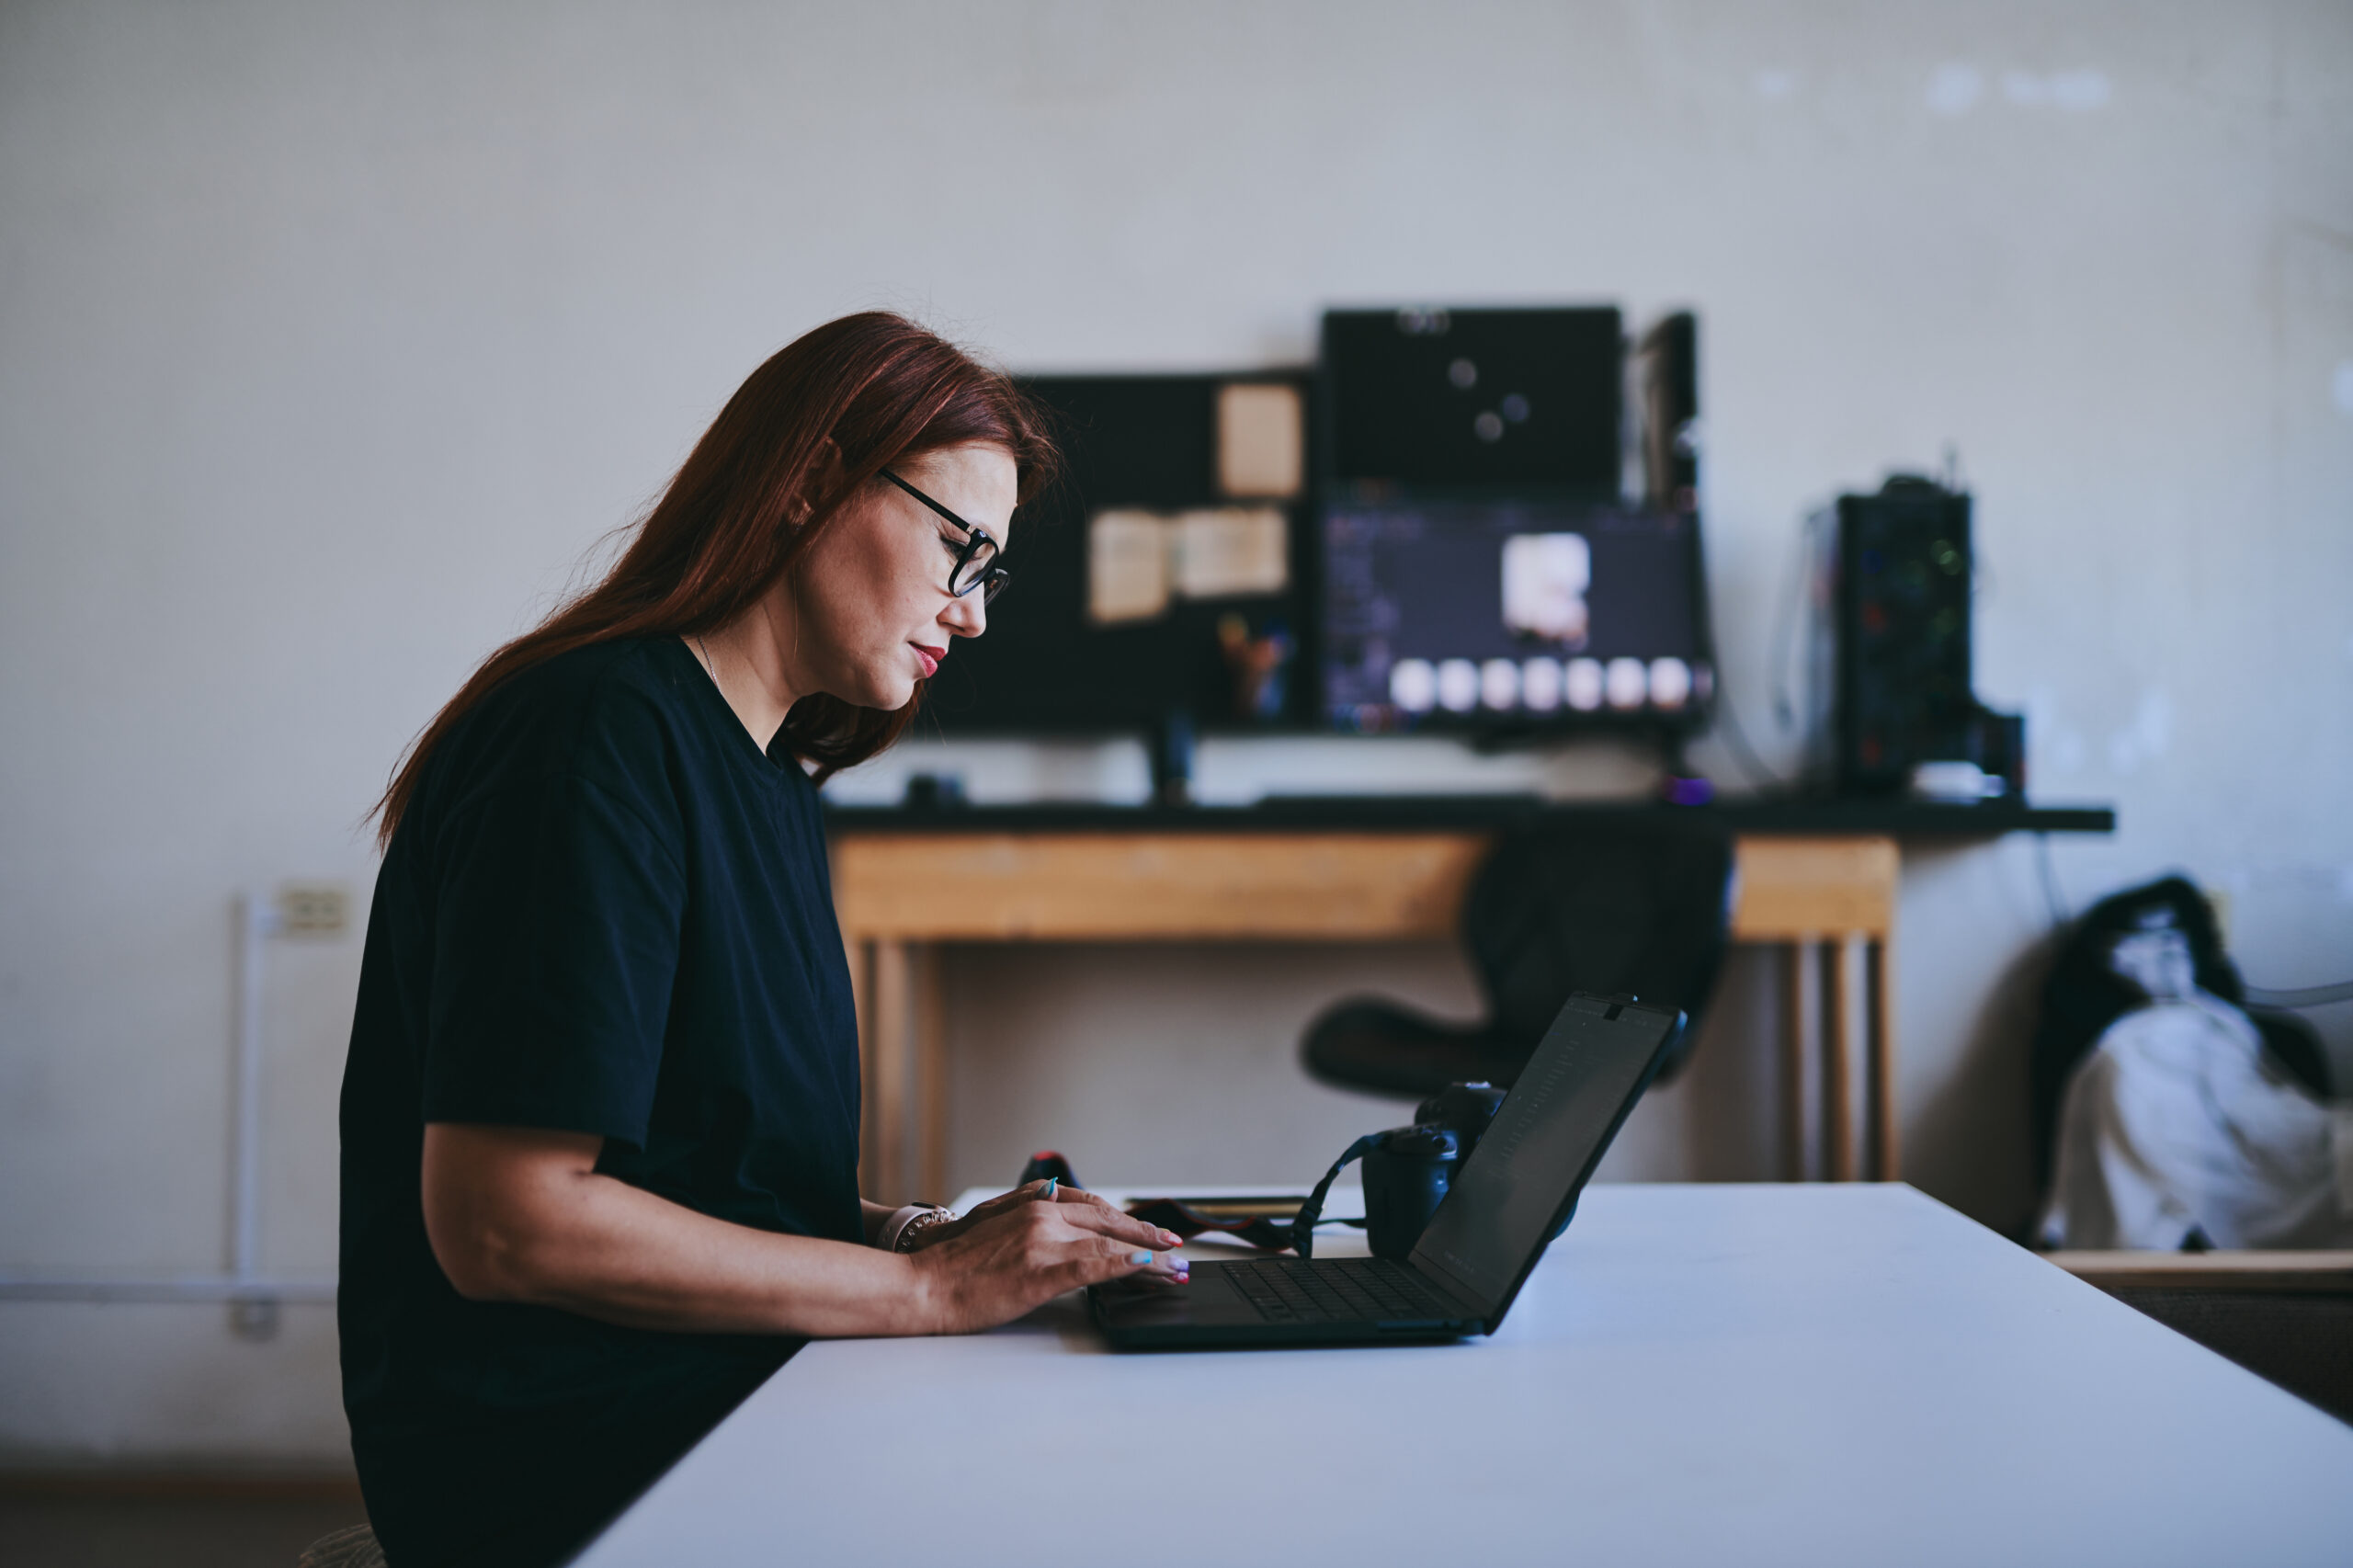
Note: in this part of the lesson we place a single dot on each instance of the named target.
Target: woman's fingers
(1088, 1211)
(1089, 1244)
(1052, 1191)
(1012, 1261)
(1100, 1219)
(1083, 1209)
(1020, 1196)
(1119, 1226)
(1101, 1260)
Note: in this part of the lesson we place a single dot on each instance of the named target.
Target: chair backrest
(1635, 902)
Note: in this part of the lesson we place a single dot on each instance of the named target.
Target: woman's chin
(889, 693)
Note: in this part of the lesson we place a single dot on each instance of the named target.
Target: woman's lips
(930, 657)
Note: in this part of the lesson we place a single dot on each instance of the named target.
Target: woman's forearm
(520, 1214)
(523, 1216)
(629, 1258)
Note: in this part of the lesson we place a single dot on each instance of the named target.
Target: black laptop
(1512, 1197)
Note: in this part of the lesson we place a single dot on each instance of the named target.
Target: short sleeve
(557, 915)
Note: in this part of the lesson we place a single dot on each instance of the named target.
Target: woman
(600, 1114)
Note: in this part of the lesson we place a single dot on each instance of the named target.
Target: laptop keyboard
(1339, 1289)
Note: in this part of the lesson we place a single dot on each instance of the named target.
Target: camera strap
(1169, 1214)
(1303, 1227)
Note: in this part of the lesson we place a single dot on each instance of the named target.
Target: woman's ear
(821, 479)
(825, 470)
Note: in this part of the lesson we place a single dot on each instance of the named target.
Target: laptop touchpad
(1207, 1297)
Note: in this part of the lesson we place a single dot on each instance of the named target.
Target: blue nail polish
(1139, 1257)
(1046, 1192)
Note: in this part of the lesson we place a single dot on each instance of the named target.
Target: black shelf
(1402, 813)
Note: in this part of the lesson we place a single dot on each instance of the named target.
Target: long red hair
(801, 436)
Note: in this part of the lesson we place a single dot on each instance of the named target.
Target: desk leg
(931, 1075)
(1876, 980)
(1793, 1055)
(1838, 1092)
(861, 993)
(888, 1085)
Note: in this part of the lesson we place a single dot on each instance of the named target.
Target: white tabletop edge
(1832, 1374)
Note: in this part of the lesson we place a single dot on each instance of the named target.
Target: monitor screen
(1504, 615)
(1454, 402)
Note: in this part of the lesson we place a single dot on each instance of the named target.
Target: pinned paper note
(1228, 551)
(1127, 567)
(1261, 440)
(1136, 561)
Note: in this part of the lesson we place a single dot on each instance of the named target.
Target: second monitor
(1512, 615)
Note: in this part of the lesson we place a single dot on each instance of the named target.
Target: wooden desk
(2315, 1272)
(1825, 1375)
(903, 886)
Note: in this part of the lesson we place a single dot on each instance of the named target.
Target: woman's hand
(1016, 1252)
(1005, 1203)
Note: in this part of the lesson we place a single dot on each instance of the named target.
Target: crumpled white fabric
(2176, 1122)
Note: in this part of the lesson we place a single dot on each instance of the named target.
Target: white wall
(333, 335)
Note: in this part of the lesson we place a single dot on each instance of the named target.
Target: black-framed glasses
(976, 564)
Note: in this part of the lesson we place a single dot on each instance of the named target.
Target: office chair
(1631, 902)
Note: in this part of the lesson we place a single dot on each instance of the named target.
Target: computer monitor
(1498, 616)
(1083, 645)
(1488, 402)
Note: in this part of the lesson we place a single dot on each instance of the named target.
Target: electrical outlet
(313, 909)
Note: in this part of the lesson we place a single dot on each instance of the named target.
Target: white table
(1814, 1375)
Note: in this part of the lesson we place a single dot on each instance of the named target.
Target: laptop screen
(1544, 1144)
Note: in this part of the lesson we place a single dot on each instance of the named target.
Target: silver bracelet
(907, 1222)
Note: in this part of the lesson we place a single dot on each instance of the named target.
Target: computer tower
(1899, 604)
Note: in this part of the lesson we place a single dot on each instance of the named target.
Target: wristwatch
(905, 1224)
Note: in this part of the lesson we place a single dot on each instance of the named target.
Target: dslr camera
(1407, 1170)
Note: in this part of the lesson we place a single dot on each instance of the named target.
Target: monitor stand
(1172, 758)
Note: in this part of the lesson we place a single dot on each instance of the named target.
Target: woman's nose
(966, 617)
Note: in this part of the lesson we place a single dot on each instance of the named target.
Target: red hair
(803, 435)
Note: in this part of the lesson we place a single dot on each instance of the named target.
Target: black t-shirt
(605, 911)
